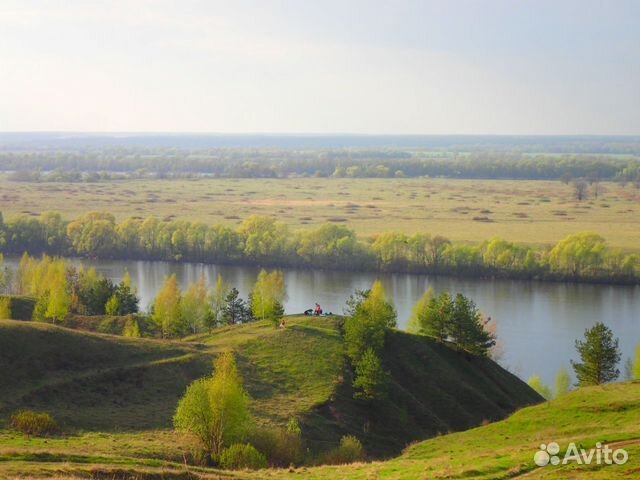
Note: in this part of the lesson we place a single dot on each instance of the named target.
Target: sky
(330, 66)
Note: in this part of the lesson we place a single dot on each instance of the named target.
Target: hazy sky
(347, 66)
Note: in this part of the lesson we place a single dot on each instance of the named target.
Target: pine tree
(371, 380)
(600, 355)
(235, 309)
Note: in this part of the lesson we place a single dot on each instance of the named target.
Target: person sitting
(318, 311)
(282, 324)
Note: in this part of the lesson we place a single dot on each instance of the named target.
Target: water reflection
(537, 322)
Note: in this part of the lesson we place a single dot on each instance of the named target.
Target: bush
(33, 423)
(21, 307)
(281, 446)
(240, 456)
(349, 451)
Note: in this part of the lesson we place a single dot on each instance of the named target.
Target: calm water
(537, 322)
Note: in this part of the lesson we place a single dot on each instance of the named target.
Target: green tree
(235, 309)
(435, 318)
(58, 294)
(599, 354)
(217, 300)
(367, 328)
(371, 380)
(636, 364)
(563, 383)
(216, 409)
(578, 254)
(167, 314)
(268, 295)
(195, 306)
(417, 321)
(365, 331)
(112, 306)
(536, 383)
(5, 308)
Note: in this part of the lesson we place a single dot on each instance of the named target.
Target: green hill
(116, 395)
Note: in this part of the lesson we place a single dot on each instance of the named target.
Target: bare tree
(580, 189)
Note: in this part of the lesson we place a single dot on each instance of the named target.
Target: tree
(127, 296)
(113, 305)
(420, 309)
(636, 364)
(467, 327)
(371, 380)
(365, 331)
(216, 409)
(194, 305)
(235, 309)
(580, 190)
(167, 314)
(268, 295)
(563, 383)
(58, 295)
(599, 354)
(217, 298)
(5, 308)
(578, 254)
(369, 323)
(536, 383)
(436, 316)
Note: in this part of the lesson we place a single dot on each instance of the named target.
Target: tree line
(59, 290)
(92, 166)
(265, 241)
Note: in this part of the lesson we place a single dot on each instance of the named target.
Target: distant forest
(120, 163)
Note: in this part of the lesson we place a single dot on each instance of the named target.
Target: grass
(536, 212)
(114, 397)
(500, 450)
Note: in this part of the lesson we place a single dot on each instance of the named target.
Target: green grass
(115, 396)
(500, 450)
(536, 212)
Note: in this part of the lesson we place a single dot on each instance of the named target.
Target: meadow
(534, 212)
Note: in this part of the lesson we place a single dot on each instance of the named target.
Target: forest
(264, 241)
(119, 164)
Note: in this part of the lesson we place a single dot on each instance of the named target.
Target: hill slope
(101, 383)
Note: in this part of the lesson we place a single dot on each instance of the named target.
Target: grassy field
(498, 451)
(537, 212)
(114, 397)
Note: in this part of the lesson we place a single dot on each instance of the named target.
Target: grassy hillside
(608, 414)
(115, 396)
(501, 450)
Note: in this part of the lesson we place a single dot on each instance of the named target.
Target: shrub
(5, 308)
(240, 456)
(37, 424)
(21, 307)
(349, 451)
(281, 446)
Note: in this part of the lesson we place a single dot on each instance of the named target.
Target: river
(537, 322)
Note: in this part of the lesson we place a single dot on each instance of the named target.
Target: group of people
(316, 312)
